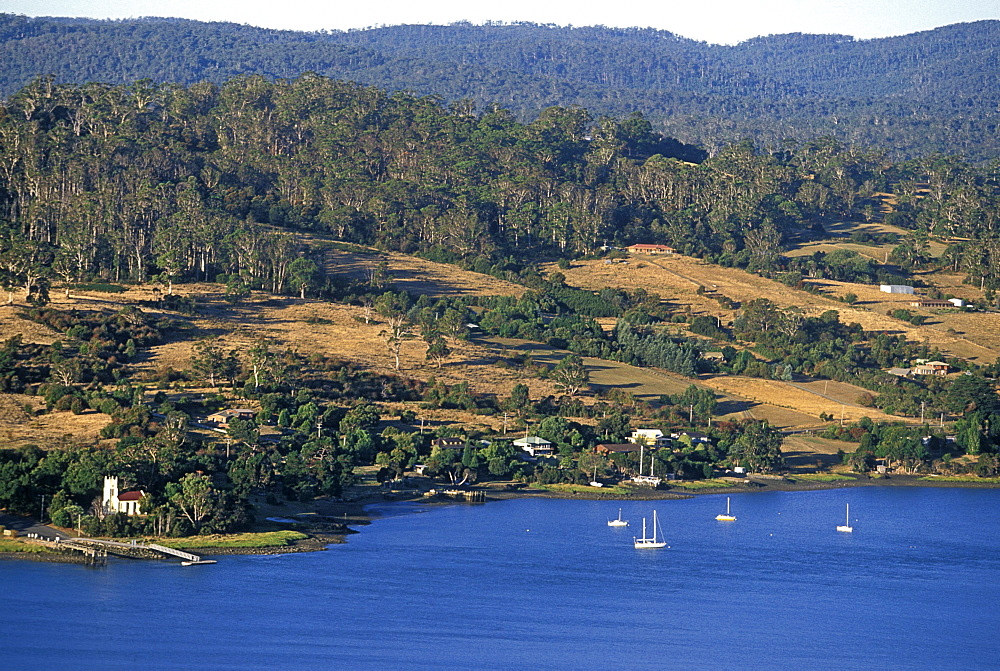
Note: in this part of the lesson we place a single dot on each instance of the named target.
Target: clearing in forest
(415, 275)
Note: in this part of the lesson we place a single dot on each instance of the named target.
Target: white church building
(124, 502)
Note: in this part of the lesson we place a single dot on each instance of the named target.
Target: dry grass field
(312, 327)
(418, 276)
(19, 427)
(308, 327)
(801, 398)
(677, 278)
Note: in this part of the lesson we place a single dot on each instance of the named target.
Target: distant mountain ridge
(932, 91)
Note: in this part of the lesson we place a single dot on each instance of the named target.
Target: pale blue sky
(717, 21)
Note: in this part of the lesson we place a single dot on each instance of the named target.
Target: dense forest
(934, 91)
(129, 182)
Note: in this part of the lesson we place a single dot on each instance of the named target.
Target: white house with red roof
(123, 502)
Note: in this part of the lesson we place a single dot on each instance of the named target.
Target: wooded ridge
(933, 91)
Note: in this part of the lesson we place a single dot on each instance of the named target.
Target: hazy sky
(718, 21)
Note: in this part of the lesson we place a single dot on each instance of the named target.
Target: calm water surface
(546, 584)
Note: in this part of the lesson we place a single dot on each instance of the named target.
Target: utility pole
(922, 404)
(41, 512)
(505, 423)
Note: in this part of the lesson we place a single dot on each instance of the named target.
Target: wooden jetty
(129, 549)
(93, 555)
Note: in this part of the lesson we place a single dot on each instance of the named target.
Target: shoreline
(362, 510)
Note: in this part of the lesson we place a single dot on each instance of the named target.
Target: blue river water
(546, 584)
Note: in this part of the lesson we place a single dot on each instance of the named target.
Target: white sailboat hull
(619, 522)
(649, 543)
(726, 517)
(846, 526)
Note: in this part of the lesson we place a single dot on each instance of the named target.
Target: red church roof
(130, 496)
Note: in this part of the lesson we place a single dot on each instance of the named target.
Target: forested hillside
(247, 189)
(126, 182)
(935, 91)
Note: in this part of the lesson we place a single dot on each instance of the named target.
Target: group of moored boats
(658, 542)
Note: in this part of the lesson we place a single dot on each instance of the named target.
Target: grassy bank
(695, 485)
(268, 539)
(583, 489)
(821, 477)
(14, 545)
(970, 479)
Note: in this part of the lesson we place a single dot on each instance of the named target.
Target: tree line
(914, 95)
(141, 181)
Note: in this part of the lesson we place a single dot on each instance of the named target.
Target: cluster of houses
(651, 439)
(532, 446)
(641, 440)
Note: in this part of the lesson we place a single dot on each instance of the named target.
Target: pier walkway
(187, 557)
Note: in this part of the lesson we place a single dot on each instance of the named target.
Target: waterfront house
(693, 438)
(649, 438)
(535, 446)
(608, 449)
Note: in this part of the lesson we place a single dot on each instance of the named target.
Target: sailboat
(727, 517)
(846, 526)
(645, 542)
(619, 522)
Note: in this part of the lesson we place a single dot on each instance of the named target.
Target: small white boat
(644, 542)
(727, 517)
(846, 526)
(197, 563)
(618, 522)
